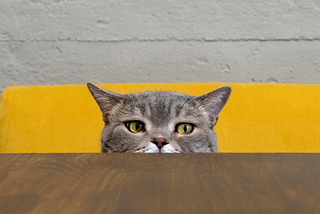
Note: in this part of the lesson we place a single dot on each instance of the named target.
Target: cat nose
(160, 142)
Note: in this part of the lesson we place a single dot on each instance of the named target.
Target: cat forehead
(158, 97)
(161, 94)
(160, 106)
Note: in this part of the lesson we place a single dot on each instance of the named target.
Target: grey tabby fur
(160, 112)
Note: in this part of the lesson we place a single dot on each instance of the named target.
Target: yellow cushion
(65, 118)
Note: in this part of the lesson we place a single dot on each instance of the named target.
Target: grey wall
(72, 42)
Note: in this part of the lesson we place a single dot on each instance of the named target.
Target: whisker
(141, 150)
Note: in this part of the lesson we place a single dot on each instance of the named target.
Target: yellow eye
(184, 128)
(135, 126)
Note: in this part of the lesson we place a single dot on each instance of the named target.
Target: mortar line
(73, 40)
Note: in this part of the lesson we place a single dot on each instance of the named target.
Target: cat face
(159, 121)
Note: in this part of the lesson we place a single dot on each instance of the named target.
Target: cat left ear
(106, 100)
(214, 101)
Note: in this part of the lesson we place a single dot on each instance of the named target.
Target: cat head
(159, 121)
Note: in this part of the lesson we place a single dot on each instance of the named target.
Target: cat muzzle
(158, 145)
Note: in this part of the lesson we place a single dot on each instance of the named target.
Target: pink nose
(160, 142)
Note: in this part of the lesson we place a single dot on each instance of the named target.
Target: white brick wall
(75, 41)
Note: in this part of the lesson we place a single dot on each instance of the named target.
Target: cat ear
(214, 101)
(106, 99)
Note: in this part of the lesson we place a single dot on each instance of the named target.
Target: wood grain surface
(159, 183)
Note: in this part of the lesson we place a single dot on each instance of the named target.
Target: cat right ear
(106, 100)
(214, 101)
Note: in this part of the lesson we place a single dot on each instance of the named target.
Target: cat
(159, 121)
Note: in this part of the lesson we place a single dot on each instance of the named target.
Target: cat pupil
(185, 128)
(138, 125)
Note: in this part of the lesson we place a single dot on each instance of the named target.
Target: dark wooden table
(159, 183)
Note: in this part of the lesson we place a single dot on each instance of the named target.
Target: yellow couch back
(66, 119)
